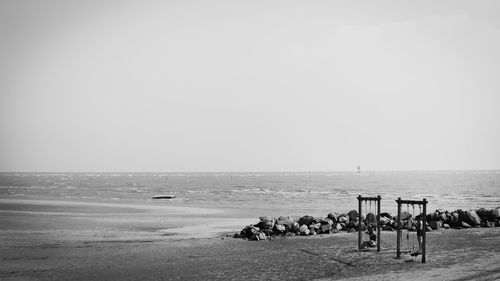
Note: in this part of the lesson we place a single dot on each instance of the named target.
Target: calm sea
(285, 193)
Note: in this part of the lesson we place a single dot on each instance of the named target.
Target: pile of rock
(335, 222)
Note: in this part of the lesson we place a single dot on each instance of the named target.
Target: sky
(219, 86)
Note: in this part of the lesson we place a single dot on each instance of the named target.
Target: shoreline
(101, 241)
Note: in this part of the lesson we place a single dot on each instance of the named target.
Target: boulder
(472, 218)
(386, 215)
(268, 232)
(387, 228)
(465, 225)
(436, 216)
(496, 213)
(353, 215)
(266, 222)
(362, 225)
(304, 230)
(316, 226)
(405, 215)
(370, 217)
(482, 213)
(325, 228)
(351, 224)
(444, 217)
(385, 220)
(337, 226)
(489, 224)
(249, 231)
(333, 216)
(327, 221)
(286, 221)
(435, 224)
(343, 225)
(306, 220)
(261, 236)
(312, 231)
(296, 227)
(454, 218)
(446, 226)
(343, 219)
(280, 228)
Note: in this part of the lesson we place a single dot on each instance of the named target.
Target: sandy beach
(64, 240)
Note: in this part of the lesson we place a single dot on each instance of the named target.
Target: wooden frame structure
(360, 235)
(424, 226)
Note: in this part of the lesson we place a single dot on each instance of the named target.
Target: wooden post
(424, 219)
(398, 243)
(378, 223)
(359, 223)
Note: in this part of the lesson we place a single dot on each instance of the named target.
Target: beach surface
(68, 240)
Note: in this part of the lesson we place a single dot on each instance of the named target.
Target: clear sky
(164, 86)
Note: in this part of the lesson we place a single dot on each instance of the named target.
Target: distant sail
(359, 169)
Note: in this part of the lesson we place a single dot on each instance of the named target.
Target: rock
(312, 231)
(343, 219)
(337, 226)
(333, 216)
(261, 236)
(304, 230)
(351, 224)
(286, 221)
(362, 225)
(316, 226)
(446, 226)
(386, 215)
(435, 216)
(496, 213)
(343, 225)
(454, 218)
(482, 212)
(405, 215)
(435, 224)
(489, 224)
(249, 231)
(387, 228)
(370, 217)
(444, 217)
(353, 215)
(296, 227)
(279, 228)
(306, 220)
(465, 225)
(328, 221)
(266, 222)
(325, 228)
(385, 220)
(268, 232)
(351, 230)
(472, 218)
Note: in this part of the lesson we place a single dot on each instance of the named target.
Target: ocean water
(283, 193)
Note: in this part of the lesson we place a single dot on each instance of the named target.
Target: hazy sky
(249, 85)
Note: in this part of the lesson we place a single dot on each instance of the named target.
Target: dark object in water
(163, 196)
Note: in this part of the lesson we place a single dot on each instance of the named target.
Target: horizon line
(244, 172)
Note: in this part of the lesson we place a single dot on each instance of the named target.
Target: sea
(282, 193)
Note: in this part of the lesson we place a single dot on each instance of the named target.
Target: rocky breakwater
(269, 227)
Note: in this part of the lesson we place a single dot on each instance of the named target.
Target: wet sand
(54, 240)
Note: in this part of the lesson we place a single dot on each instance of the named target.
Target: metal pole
(378, 223)
(359, 223)
(424, 226)
(398, 243)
